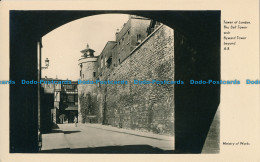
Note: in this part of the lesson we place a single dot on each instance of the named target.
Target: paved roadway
(87, 138)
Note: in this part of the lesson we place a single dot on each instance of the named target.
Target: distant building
(69, 101)
(59, 100)
(50, 103)
(105, 59)
(134, 31)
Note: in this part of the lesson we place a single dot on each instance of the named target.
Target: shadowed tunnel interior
(195, 105)
(130, 149)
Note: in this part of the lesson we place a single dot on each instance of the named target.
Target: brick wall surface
(142, 107)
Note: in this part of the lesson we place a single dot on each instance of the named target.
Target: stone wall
(145, 107)
(87, 93)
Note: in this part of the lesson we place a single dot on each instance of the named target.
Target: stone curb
(134, 132)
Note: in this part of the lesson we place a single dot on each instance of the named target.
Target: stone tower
(87, 93)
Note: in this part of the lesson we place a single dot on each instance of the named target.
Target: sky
(62, 46)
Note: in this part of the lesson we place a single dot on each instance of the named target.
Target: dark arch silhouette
(195, 106)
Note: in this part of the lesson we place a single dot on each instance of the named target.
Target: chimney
(117, 31)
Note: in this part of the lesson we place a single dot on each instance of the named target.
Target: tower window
(94, 74)
(139, 38)
(101, 62)
(109, 61)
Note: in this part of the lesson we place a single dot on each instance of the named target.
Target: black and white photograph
(114, 82)
(167, 80)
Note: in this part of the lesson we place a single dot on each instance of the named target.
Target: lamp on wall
(47, 63)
